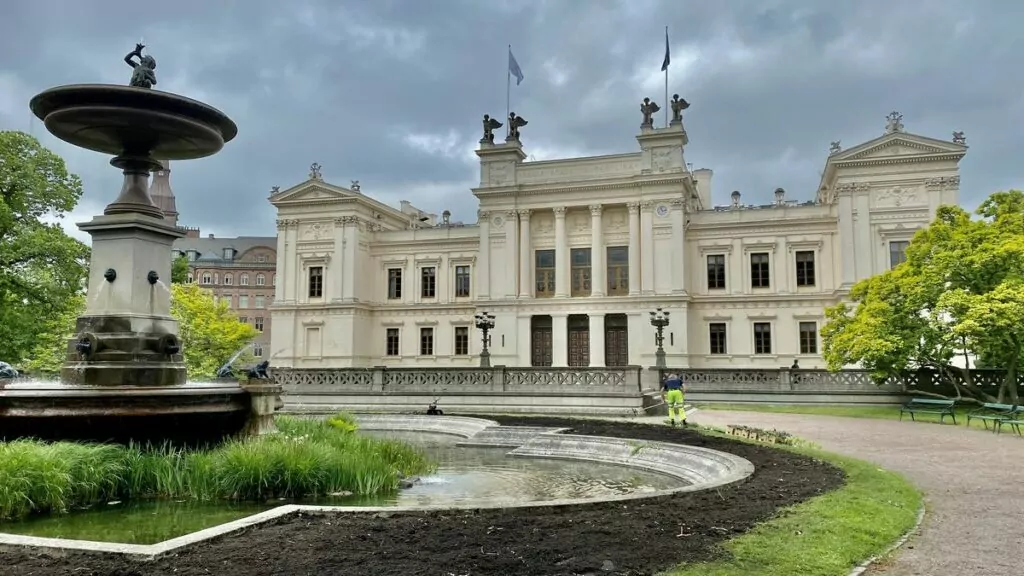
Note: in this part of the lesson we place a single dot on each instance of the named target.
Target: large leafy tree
(51, 345)
(210, 331)
(42, 269)
(958, 293)
(179, 270)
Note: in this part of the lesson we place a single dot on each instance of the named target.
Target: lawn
(881, 412)
(827, 535)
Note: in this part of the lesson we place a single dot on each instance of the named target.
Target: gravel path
(973, 483)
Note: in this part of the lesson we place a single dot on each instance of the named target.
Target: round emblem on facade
(497, 220)
(661, 210)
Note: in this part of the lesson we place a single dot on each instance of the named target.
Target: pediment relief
(308, 191)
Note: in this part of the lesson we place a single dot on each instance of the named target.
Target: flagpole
(508, 89)
(666, 81)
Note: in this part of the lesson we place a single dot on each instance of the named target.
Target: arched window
(243, 280)
(229, 279)
(261, 280)
(207, 278)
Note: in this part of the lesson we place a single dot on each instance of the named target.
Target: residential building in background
(240, 271)
(572, 255)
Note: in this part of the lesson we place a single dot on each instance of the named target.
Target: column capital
(524, 213)
(510, 213)
(559, 211)
(482, 215)
(633, 207)
(646, 205)
(595, 209)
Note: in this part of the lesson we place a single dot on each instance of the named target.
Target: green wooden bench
(1015, 423)
(993, 412)
(929, 406)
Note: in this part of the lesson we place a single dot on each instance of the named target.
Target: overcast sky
(390, 92)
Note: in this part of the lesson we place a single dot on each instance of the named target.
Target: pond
(465, 476)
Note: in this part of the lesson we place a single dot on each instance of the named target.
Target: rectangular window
(316, 281)
(462, 340)
(258, 324)
(426, 341)
(808, 337)
(762, 338)
(228, 280)
(243, 319)
(618, 270)
(462, 281)
(394, 283)
(804, 268)
(579, 269)
(716, 336)
(544, 271)
(428, 282)
(759, 275)
(243, 302)
(260, 302)
(716, 272)
(392, 342)
(897, 252)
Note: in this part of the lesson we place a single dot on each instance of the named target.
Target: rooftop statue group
(491, 124)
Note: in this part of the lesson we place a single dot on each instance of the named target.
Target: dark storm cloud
(391, 92)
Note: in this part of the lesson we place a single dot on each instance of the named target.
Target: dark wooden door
(541, 347)
(579, 341)
(616, 340)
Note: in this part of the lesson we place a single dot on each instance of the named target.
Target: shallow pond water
(484, 476)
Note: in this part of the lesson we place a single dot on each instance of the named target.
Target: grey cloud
(771, 83)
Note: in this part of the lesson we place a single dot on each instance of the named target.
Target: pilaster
(525, 283)
(598, 268)
(597, 358)
(282, 257)
(647, 248)
(483, 264)
(634, 248)
(348, 284)
(561, 259)
(336, 276)
(511, 253)
(559, 340)
(678, 256)
(846, 237)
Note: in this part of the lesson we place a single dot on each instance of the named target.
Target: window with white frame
(762, 337)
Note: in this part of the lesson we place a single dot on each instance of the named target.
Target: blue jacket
(672, 384)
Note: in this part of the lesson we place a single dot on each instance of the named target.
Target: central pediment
(312, 191)
(898, 145)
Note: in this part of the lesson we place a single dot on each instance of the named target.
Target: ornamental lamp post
(485, 323)
(659, 319)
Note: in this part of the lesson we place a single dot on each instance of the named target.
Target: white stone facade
(363, 284)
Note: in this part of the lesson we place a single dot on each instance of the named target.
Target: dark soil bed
(638, 537)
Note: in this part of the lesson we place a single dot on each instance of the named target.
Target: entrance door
(616, 340)
(579, 340)
(540, 341)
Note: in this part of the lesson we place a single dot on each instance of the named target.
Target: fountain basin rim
(78, 95)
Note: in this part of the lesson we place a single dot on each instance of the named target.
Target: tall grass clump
(305, 459)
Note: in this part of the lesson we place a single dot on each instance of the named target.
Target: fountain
(124, 377)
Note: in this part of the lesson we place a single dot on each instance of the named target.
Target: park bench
(1015, 423)
(929, 406)
(992, 412)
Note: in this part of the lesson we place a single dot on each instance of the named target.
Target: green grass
(880, 412)
(827, 535)
(306, 458)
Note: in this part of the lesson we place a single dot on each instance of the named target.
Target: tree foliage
(959, 292)
(42, 269)
(179, 270)
(210, 331)
(51, 345)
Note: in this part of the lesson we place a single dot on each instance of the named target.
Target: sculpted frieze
(898, 196)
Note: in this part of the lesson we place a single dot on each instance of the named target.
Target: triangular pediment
(311, 190)
(898, 145)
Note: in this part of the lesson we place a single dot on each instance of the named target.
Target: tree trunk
(968, 384)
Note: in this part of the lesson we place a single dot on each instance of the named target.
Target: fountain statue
(7, 371)
(124, 376)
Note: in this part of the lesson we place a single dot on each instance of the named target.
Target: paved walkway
(973, 483)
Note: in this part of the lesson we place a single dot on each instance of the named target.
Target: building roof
(211, 249)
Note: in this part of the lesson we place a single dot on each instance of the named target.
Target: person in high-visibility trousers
(672, 391)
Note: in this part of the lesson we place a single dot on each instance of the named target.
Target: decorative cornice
(942, 183)
(519, 190)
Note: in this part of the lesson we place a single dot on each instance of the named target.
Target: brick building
(241, 270)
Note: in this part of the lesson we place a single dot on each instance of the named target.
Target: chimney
(735, 198)
(780, 196)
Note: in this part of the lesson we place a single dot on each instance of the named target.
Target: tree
(51, 343)
(953, 295)
(179, 270)
(211, 333)
(42, 269)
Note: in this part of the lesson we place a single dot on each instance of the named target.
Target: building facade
(240, 271)
(571, 257)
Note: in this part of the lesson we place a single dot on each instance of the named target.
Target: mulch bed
(631, 538)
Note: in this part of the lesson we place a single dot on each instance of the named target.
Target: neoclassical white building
(572, 255)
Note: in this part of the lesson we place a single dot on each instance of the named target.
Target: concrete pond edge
(863, 567)
(701, 468)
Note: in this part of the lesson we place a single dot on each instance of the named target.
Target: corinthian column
(561, 254)
(647, 247)
(634, 248)
(597, 254)
(483, 266)
(282, 255)
(678, 256)
(525, 283)
(511, 253)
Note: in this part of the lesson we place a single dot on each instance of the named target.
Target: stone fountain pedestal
(124, 379)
